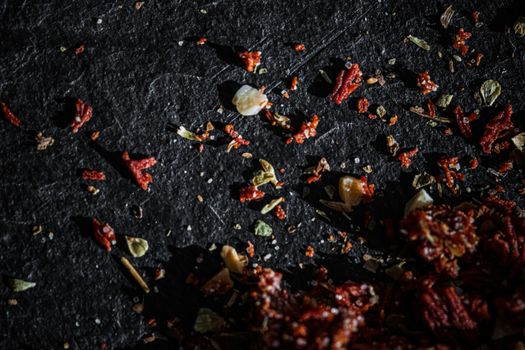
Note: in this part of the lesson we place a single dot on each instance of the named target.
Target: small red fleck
(298, 47)
(313, 178)
(83, 114)
(499, 189)
(104, 233)
(459, 41)
(362, 105)
(309, 251)
(295, 81)
(79, 49)
(505, 167)
(93, 175)
(250, 249)
(497, 128)
(447, 132)
(201, 41)
(431, 108)
(393, 120)
(200, 148)
(449, 166)
(371, 116)
(478, 58)
(251, 59)
(368, 190)
(237, 140)
(250, 193)
(9, 116)
(137, 167)
(475, 16)
(427, 86)
(94, 135)
(280, 213)
(463, 123)
(405, 157)
(474, 163)
(347, 82)
(308, 129)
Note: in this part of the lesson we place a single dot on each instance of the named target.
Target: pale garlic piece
(234, 262)
(249, 101)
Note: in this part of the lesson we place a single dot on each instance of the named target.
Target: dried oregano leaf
(18, 285)
(419, 42)
(444, 100)
(519, 26)
(266, 175)
(519, 142)
(137, 246)
(262, 229)
(270, 206)
(446, 17)
(188, 135)
(208, 321)
(490, 91)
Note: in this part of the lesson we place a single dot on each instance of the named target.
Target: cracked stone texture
(141, 71)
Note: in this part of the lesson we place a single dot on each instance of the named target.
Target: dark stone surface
(140, 71)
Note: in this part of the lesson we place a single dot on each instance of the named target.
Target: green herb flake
(188, 135)
(137, 246)
(392, 61)
(18, 285)
(262, 229)
(266, 175)
(490, 91)
(325, 77)
(270, 206)
(519, 26)
(419, 42)
(446, 17)
(444, 100)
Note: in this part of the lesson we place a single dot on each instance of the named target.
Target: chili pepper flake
(392, 145)
(93, 175)
(237, 140)
(475, 17)
(250, 193)
(309, 251)
(347, 82)
(459, 41)
(506, 166)
(431, 108)
(427, 86)
(201, 41)
(298, 47)
(84, 112)
(496, 129)
(362, 105)
(9, 116)
(251, 59)
(449, 166)
(250, 249)
(393, 120)
(405, 157)
(307, 130)
(293, 84)
(277, 119)
(79, 49)
(322, 166)
(137, 167)
(473, 164)
(279, 212)
(94, 135)
(104, 233)
(463, 123)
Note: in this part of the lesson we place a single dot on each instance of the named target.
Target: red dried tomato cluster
(237, 140)
(251, 59)
(498, 128)
(347, 82)
(450, 166)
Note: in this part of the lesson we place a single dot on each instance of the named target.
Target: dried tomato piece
(104, 233)
(506, 166)
(250, 193)
(431, 108)
(307, 130)
(237, 140)
(137, 167)
(463, 123)
(298, 47)
(405, 157)
(362, 105)
(309, 252)
(201, 41)
(251, 59)
(427, 86)
(459, 41)
(474, 163)
(93, 175)
(9, 116)
(393, 120)
(250, 249)
(449, 165)
(279, 212)
(84, 112)
(496, 129)
(79, 49)
(347, 82)
(293, 84)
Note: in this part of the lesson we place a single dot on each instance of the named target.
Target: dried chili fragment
(362, 105)
(201, 41)
(368, 189)
(251, 59)
(463, 123)
(83, 114)
(250, 193)
(459, 41)
(279, 212)
(427, 86)
(506, 166)
(478, 58)
(450, 166)
(321, 167)
(93, 175)
(473, 164)
(405, 157)
(431, 108)
(298, 47)
(250, 249)
(79, 49)
(309, 252)
(104, 233)
(293, 84)
(9, 116)
(307, 130)
(475, 16)
(137, 167)
(393, 120)
(497, 128)
(347, 82)
(277, 119)
(237, 140)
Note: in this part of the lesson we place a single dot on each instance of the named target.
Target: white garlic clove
(249, 101)
(421, 199)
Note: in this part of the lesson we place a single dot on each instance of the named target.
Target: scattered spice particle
(298, 47)
(293, 84)
(104, 233)
(474, 163)
(309, 251)
(427, 86)
(250, 59)
(137, 167)
(138, 5)
(277, 119)
(307, 130)
(94, 135)
(285, 94)
(506, 166)
(475, 17)
(83, 114)
(321, 167)
(201, 41)
(459, 41)
(392, 145)
(446, 17)
(393, 120)
(79, 49)
(362, 105)
(279, 212)
(237, 140)
(9, 116)
(250, 193)
(405, 157)
(463, 123)
(496, 129)
(348, 80)
(135, 274)
(250, 249)
(93, 190)
(431, 108)
(449, 166)
(93, 175)
(43, 142)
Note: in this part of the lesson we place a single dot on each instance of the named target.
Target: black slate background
(141, 71)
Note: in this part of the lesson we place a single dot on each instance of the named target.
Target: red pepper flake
(276, 119)
(279, 212)
(250, 193)
(431, 108)
(93, 175)
(237, 141)
(285, 94)
(295, 81)
(368, 190)
(449, 166)
(84, 112)
(427, 86)
(505, 167)
(497, 128)
(80, 49)
(201, 41)
(136, 168)
(321, 167)
(298, 47)
(94, 135)
(459, 41)
(463, 123)
(405, 157)
(250, 249)
(309, 251)
(362, 105)
(9, 116)
(393, 120)
(371, 116)
(308, 129)
(250, 59)
(473, 164)
(499, 189)
(200, 148)
(475, 17)
(478, 58)
(104, 233)
(347, 82)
